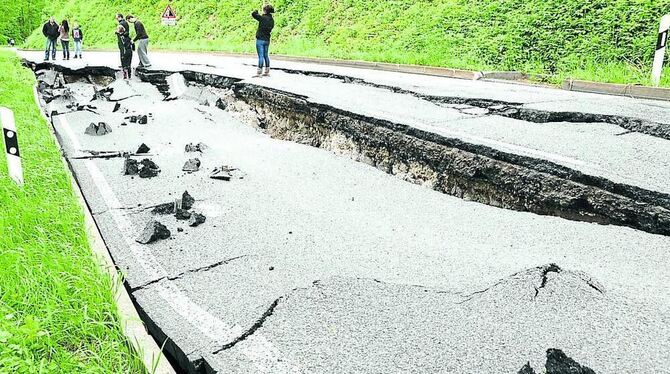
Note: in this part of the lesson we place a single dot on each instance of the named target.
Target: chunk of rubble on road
(226, 173)
(130, 167)
(102, 94)
(200, 147)
(143, 148)
(142, 120)
(191, 165)
(196, 219)
(149, 169)
(98, 130)
(559, 363)
(131, 119)
(526, 369)
(165, 208)
(187, 201)
(182, 214)
(51, 78)
(153, 231)
(117, 106)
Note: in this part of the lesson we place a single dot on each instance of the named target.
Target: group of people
(127, 45)
(53, 31)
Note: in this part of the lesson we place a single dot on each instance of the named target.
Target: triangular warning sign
(168, 12)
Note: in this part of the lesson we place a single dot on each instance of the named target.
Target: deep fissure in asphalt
(452, 166)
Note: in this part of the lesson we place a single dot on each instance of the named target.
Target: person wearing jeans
(64, 31)
(265, 25)
(50, 31)
(78, 38)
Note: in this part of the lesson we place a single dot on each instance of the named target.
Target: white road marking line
(264, 355)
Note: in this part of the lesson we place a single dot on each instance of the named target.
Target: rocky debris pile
(558, 363)
(142, 149)
(191, 165)
(196, 219)
(187, 202)
(226, 173)
(153, 231)
(98, 130)
(200, 147)
(50, 78)
(149, 169)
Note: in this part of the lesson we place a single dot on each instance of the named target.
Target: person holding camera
(265, 25)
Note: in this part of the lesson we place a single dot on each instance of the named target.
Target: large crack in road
(404, 274)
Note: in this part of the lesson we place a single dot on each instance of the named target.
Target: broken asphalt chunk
(187, 201)
(196, 219)
(149, 169)
(166, 208)
(153, 231)
(143, 148)
(142, 120)
(182, 214)
(200, 147)
(117, 106)
(526, 369)
(130, 167)
(98, 130)
(559, 363)
(226, 173)
(192, 165)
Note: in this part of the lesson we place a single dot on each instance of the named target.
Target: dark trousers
(50, 46)
(66, 48)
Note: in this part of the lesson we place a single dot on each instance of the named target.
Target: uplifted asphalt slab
(315, 263)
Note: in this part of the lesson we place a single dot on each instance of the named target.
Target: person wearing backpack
(78, 38)
(265, 25)
(64, 34)
(50, 31)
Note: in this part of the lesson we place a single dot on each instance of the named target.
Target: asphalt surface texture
(311, 262)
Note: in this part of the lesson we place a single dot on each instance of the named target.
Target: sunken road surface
(310, 262)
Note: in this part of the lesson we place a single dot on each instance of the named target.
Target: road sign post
(659, 56)
(11, 145)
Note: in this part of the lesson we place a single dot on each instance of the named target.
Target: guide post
(659, 56)
(11, 145)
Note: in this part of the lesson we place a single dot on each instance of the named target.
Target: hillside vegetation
(607, 40)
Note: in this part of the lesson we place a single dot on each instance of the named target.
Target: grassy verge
(57, 310)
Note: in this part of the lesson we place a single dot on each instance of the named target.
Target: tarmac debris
(226, 173)
(165, 208)
(149, 169)
(182, 214)
(526, 369)
(196, 219)
(117, 106)
(187, 201)
(559, 363)
(153, 231)
(142, 120)
(98, 130)
(130, 167)
(192, 165)
(200, 147)
(143, 148)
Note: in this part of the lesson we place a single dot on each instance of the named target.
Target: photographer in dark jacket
(125, 50)
(265, 25)
(50, 31)
(142, 40)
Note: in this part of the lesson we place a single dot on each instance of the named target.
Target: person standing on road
(265, 25)
(122, 22)
(126, 51)
(78, 37)
(50, 31)
(64, 33)
(142, 40)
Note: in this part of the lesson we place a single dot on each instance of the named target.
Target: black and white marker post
(11, 145)
(660, 50)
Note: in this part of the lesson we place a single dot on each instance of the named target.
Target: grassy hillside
(609, 40)
(19, 18)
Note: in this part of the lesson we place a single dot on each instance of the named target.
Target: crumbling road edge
(131, 324)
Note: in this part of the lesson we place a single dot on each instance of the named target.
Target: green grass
(57, 310)
(602, 40)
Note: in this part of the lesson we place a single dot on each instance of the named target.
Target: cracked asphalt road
(315, 263)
